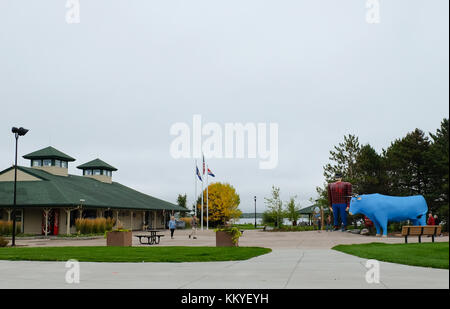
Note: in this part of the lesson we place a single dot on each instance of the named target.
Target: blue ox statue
(382, 208)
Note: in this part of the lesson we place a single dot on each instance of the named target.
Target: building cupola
(98, 170)
(50, 160)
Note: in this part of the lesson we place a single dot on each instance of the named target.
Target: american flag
(204, 166)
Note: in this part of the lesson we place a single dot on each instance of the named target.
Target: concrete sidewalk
(282, 269)
(298, 260)
(257, 238)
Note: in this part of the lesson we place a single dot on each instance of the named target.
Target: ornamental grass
(94, 226)
(6, 227)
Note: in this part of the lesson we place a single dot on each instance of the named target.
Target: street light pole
(17, 132)
(255, 211)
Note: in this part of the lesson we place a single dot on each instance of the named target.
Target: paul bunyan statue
(339, 194)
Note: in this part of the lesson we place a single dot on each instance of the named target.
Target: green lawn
(132, 254)
(434, 255)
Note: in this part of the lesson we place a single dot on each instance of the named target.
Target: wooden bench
(426, 230)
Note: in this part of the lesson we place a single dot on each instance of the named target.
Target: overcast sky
(112, 85)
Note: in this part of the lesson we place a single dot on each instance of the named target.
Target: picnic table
(152, 238)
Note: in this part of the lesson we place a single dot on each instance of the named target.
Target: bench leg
(406, 239)
(432, 238)
(420, 239)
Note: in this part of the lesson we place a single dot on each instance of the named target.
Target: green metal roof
(48, 153)
(97, 163)
(66, 191)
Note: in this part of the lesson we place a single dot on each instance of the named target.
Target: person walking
(319, 221)
(430, 220)
(436, 220)
(172, 226)
(193, 233)
(329, 224)
(339, 195)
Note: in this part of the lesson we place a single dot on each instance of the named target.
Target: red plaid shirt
(339, 193)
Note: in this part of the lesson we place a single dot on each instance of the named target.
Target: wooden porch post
(68, 210)
(46, 211)
(321, 217)
(21, 220)
(131, 220)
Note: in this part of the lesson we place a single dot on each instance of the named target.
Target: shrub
(94, 226)
(297, 228)
(6, 227)
(109, 224)
(396, 226)
(187, 221)
(3, 242)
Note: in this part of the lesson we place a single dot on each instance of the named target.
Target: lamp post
(17, 132)
(80, 208)
(255, 211)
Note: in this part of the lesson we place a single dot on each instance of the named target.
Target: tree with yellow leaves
(223, 203)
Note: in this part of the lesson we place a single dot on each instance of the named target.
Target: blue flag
(198, 174)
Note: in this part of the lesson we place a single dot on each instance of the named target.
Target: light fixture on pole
(80, 207)
(17, 132)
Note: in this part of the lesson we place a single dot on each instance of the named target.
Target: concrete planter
(223, 239)
(121, 239)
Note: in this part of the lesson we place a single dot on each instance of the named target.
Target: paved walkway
(274, 240)
(298, 260)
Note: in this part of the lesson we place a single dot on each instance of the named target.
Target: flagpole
(195, 196)
(207, 198)
(202, 208)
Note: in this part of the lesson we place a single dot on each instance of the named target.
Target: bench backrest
(432, 230)
(421, 230)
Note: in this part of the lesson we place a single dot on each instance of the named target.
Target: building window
(58, 163)
(64, 164)
(47, 162)
(36, 162)
(88, 172)
(89, 213)
(107, 173)
(96, 172)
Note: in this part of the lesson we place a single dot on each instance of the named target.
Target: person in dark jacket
(436, 220)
